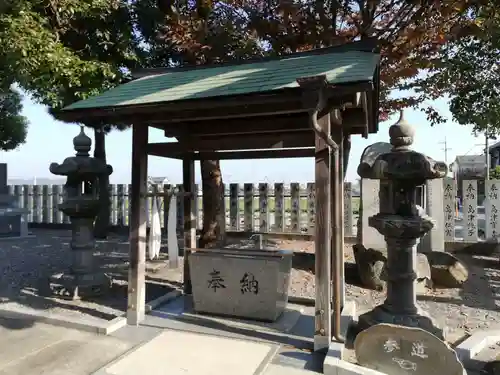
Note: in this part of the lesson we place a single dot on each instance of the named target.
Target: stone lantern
(81, 204)
(402, 225)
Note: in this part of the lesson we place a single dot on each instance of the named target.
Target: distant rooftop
(494, 146)
(469, 159)
(159, 180)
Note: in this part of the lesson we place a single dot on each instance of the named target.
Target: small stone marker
(434, 240)
(492, 207)
(13, 219)
(449, 208)
(397, 350)
(469, 192)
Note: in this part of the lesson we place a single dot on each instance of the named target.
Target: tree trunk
(213, 232)
(101, 227)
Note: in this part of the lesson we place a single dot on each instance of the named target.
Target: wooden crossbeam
(232, 143)
(250, 125)
(247, 155)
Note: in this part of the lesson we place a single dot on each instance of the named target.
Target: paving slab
(299, 358)
(300, 336)
(287, 370)
(182, 308)
(186, 353)
(36, 348)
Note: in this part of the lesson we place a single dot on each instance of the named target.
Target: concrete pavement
(187, 353)
(161, 346)
(35, 348)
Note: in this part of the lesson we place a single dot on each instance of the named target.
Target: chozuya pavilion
(302, 105)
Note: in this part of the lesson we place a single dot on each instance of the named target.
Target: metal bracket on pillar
(315, 96)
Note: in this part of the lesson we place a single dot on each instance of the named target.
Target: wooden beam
(258, 154)
(266, 108)
(189, 219)
(284, 101)
(246, 155)
(136, 306)
(323, 309)
(249, 125)
(180, 110)
(162, 154)
(233, 143)
(373, 102)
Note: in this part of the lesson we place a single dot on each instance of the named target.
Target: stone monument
(396, 350)
(13, 219)
(402, 224)
(81, 204)
(434, 207)
(371, 194)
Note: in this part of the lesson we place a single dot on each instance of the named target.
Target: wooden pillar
(341, 206)
(189, 218)
(136, 307)
(337, 239)
(323, 310)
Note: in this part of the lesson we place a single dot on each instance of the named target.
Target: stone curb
(101, 328)
(150, 306)
(104, 328)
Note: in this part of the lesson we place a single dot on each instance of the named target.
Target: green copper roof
(339, 67)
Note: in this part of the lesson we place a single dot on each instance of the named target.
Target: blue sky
(51, 141)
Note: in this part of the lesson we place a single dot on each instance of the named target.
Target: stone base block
(75, 287)
(381, 314)
(336, 349)
(479, 340)
(322, 343)
(336, 366)
(347, 319)
(13, 222)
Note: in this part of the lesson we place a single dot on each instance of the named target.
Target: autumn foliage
(411, 33)
(61, 51)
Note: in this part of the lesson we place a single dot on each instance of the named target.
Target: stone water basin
(246, 283)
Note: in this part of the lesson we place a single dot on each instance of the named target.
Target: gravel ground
(25, 264)
(461, 311)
